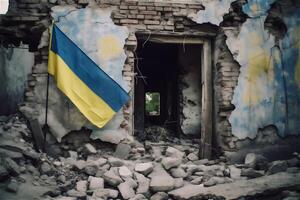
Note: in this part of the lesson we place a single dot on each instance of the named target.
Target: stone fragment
(251, 173)
(12, 166)
(192, 157)
(138, 197)
(170, 162)
(197, 181)
(105, 193)
(238, 189)
(81, 186)
(126, 191)
(256, 161)
(277, 166)
(235, 173)
(143, 183)
(90, 170)
(95, 183)
(90, 148)
(160, 196)
(73, 155)
(210, 182)
(75, 193)
(131, 182)
(112, 178)
(144, 168)
(173, 152)
(115, 162)
(178, 172)
(61, 179)
(124, 172)
(101, 161)
(122, 151)
(109, 136)
(162, 183)
(13, 186)
(201, 162)
(46, 168)
(178, 182)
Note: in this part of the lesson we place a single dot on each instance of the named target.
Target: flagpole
(46, 127)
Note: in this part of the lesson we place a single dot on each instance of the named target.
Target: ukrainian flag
(94, 93)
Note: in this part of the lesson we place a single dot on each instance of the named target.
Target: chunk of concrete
(173, 152)
(178, 172)
(143, 183)
(162, 183)
(256, 161)
(90, 148)
(115, 162)
(81, 186)
(170, 162)
(277, 166)
(160, 196)
(251, 173)
(95, 183)
(240, 188)
(192, 157)
(124, 172)
(144, 168)
(122, 151)
(112, 178)
(126, 191)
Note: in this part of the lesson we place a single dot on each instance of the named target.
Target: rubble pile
(133, 171)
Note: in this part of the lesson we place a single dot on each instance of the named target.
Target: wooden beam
(207, 102)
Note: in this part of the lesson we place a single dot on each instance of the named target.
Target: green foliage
(152, 103)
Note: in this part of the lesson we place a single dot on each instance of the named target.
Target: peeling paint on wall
(213, 13)
(94, 32)
(267, 91)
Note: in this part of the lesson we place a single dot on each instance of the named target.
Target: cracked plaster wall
(268, 88)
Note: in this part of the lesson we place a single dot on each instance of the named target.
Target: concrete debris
(277, 166)
(160, 171)
(126, 190)
(112, 178)
(251, 173)
(125, 172)
(160, 196)
(81, 186)
(256, 161)
(95, 183)
(143, 183)
(170, 162)
(144, 168)
(90, 148)
(240, 188)
(122, 151)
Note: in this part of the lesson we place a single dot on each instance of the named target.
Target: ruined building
(219, 78)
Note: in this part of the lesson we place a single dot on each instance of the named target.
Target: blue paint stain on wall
(268, 91)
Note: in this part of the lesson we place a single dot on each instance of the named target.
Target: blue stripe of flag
(88, 71)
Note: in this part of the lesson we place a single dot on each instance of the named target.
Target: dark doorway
(168, 88)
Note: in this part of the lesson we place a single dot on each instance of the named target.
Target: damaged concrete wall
(190, 89)
(104, 45)
(251, 91)
(15, 66)
(268, 87)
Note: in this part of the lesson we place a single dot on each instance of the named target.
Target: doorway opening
(168, 88)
